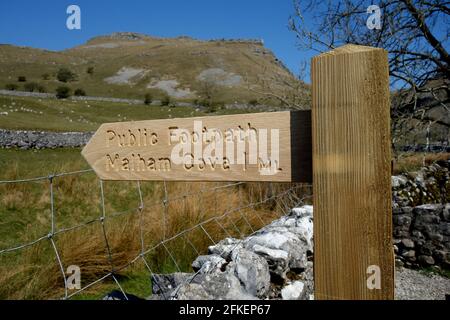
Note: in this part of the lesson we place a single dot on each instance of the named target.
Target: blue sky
(42, 24)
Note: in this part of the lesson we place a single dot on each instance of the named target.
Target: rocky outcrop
(273, 263)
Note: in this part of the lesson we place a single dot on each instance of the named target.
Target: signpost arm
(351, 174)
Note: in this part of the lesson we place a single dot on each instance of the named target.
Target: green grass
(136, 281)
(19, 164)
(430, 271)
(67, 115)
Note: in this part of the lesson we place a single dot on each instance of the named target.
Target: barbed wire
(282, 202)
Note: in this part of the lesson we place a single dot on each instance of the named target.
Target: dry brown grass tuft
(409, 162)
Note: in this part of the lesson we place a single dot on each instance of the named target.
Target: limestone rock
(208, 263)
(285, 241)
(164, 284)
(293, 291)
(216, 286)
(408, 243)
(278, 260)
(225, 247)
(253, 272)
(426, 260)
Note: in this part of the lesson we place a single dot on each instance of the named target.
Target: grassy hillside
(129, 65)
(71, 115)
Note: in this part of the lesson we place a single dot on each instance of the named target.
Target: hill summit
(130, 65)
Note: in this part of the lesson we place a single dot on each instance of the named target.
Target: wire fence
(161, 230)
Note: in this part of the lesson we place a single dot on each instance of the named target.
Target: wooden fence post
(353, 249)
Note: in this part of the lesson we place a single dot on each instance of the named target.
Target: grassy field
(66, 115)
(25, 215)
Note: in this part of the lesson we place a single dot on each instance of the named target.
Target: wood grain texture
(351, 173)
(142, 150)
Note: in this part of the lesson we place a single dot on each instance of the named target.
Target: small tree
(11, 86)
(413, 32)
(148, 98)
(208, 90)
(79, 92)
(62, 92)
(21, 78)
(65, 75)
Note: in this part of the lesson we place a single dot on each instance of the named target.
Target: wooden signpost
(245, 147)
(353, 252)
(343, 148)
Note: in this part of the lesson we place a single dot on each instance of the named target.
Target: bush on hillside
(79, 92)
(21, 78)
(211, 109)
(31, 86)
(90, 71)
(11, 86)
(62, 92)
(204, 103)
(65, 75)
(40, 88)
(148, 98)
(165, 101)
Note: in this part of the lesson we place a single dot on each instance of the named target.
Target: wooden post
(353, 250)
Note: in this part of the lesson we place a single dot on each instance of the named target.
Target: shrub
(165, 101)
(204, 103)
(79, 92)
(31, 86)
(45, 76)
(90, 70)
(65, 75)
(220, 105)
(253, 102)
(148, 98)
(21, 78)
(40, 88)
(62, 92)
(11, 86)
(211, 109)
